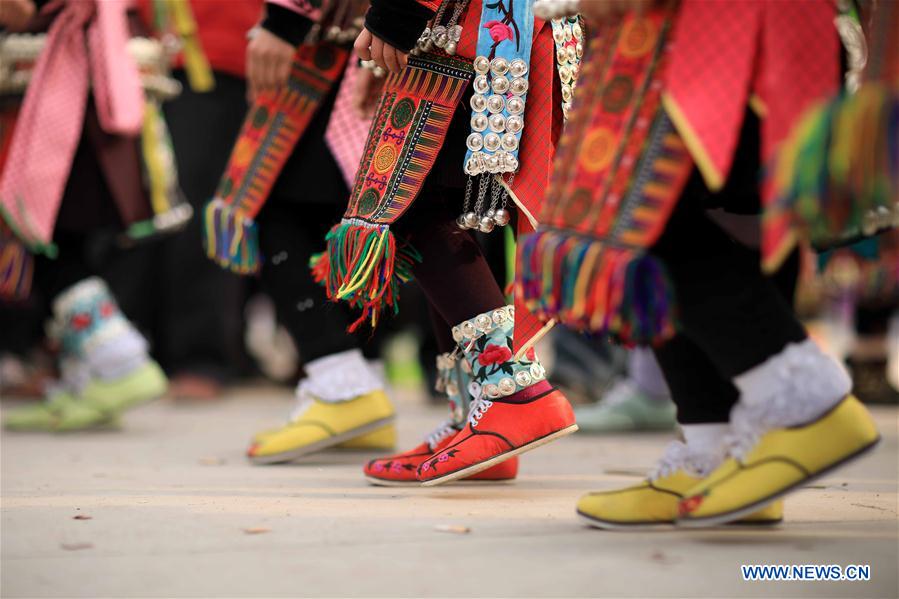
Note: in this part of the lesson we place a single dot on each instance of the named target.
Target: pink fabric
(347, 132)
(85, 50)
(302, 7)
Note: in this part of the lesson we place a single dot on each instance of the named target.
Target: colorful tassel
(591, 286)
(364, 265)
(231, 238)
(837, 176)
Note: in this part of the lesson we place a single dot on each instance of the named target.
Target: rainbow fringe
(231, 238)
(837, 176)
(364, 265)
(625, 294)
(16, 268)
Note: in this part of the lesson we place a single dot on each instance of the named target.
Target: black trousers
(732, 317)
(190, 307)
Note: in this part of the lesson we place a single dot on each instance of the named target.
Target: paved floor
(170, 508)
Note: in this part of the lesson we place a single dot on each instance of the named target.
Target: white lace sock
(791, 388)
(707, 439)
(680, 456)
(795, 386)
(340, 377)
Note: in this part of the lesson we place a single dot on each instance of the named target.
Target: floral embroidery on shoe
(494, 354)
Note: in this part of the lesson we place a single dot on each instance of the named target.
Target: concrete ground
(169, 508)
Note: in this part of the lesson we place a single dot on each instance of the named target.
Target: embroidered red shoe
(498, 430)
(401, 470)
(515, 409)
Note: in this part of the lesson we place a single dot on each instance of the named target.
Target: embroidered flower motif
(397, 467)
(107, 309)
(499, 31)
(379, 467)
(443, 458)
(494, 354)
(81, 321)
(689, 504)
(426, 466)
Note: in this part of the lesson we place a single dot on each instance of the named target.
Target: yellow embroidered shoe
(763, 467)
(318, 425)
(654, 502)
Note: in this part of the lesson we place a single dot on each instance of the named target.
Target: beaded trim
(483, 324)
(522, 379)
(568, 36)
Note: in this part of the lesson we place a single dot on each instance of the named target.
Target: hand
(598, 10)
(268, 62)
(365, 93)
(370, 47)
(15, 14)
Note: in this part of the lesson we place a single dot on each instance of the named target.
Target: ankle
(487, 344)
(794, 386)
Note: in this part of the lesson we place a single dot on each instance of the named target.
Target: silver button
(515, 105)
(491, 142)
(497, 123)
(500, 84)
(496, 103)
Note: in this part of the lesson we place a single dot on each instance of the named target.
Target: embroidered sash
(363, 263)
(619, 171)
(269, 134)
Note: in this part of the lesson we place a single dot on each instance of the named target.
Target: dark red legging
(453, 272)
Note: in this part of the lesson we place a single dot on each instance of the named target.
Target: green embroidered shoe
(141, 385)
(62, 412)
(625, 408)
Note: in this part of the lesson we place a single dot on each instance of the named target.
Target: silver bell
(450, 48)
(460, 222)
(471, 220)
(502, 217)
(486, 224)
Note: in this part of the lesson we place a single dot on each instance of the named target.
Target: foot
(318, 425)
(61, 412)
(402, 469)
(766, 463)
(625, 408)
(114, 396)
(654, 502)
(500, 429)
